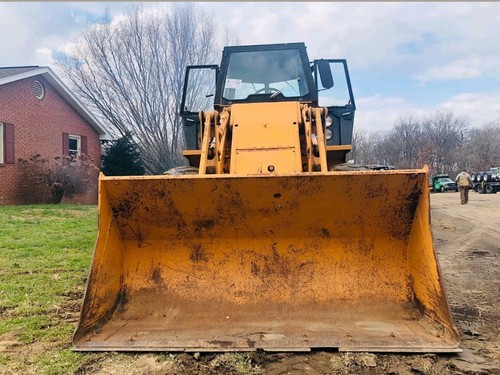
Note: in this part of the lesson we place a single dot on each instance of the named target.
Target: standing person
(464, 183)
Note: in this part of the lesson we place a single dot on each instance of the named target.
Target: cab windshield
(445, 180)
(278, 72)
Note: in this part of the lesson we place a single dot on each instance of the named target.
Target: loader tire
(183, 170)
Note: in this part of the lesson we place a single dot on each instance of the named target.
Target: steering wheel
(268, 90)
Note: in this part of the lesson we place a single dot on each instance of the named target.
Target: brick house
(40, 115)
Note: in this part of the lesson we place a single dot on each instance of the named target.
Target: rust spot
(198, 254)
(122, 301)
(127, 205)
(255, 269)
(413, 199)
(124, 209)
(326, 232)
(400, 219)
(140, 236)
(203, 224)
(276, 255)
(156, 276)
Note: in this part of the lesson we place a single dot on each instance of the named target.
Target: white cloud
(432, 42)
(478, 108)
(461, 69)
(379, 113)
(44, 56)
(450, 72)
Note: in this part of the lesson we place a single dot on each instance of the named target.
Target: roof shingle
(12, 71)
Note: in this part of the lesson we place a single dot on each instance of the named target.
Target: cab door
(339, 99)
(198, 95)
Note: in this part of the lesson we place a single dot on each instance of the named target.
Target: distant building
(40, 115)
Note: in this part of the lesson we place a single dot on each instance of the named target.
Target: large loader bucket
(279, 262)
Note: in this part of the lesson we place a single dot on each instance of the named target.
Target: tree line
(441, 140)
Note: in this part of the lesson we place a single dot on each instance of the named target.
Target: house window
(6, 143)
(74, 145)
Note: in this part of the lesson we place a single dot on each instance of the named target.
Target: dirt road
(467, 240)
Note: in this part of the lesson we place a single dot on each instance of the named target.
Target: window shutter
(9, 143)
(83, 145)
(65, 144)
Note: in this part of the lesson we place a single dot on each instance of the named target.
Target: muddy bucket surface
(279, 262)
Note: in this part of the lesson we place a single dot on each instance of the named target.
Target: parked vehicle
(442, 183)
(487, 182)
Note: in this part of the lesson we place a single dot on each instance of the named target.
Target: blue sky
(404, 58)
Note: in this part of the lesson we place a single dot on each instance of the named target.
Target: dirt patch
(25, 355)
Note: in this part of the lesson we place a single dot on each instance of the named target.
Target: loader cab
(270, 73)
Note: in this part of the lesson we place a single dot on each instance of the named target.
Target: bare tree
(231, 37)
(446, 143)
(360, 152)
(440, 140)
(443, 134)
(406, 139)
(484, 147)
(131, 72)
(385, 148)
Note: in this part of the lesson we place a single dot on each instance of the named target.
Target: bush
(122, 158)
(49, 180)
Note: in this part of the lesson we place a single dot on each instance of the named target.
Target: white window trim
(2, 143)
(78, 144)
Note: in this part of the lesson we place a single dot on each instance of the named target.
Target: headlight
(328, 134)
(328, 122)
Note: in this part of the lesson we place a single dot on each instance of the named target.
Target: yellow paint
(265, 224)
(265, 138)
(327, 239)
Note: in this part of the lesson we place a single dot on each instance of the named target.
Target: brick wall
(38, 128)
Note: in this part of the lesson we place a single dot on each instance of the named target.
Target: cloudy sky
(404, 58)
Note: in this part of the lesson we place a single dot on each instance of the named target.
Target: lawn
(46, 252)
(45, 259)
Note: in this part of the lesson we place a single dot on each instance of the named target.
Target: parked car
(442, 183)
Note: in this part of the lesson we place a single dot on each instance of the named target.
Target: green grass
(45, 259)
(45, 255)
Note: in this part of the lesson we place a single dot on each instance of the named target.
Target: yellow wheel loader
(275, 243)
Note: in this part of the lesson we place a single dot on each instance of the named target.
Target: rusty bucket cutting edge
(277, 262)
